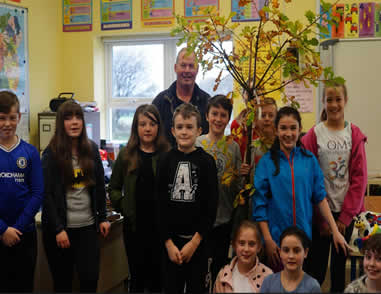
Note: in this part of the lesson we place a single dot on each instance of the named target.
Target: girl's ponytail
(323, 115)
(274, 153)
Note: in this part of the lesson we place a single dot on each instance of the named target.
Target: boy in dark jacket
(188, 194)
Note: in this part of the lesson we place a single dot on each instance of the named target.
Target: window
(136, 71)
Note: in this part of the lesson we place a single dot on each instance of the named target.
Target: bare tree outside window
(136, 71)
(137, 77)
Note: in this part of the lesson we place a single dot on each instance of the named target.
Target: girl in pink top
(339, 147)
(245, 273)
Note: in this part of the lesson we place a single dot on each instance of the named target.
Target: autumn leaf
(242, 3)
(275, 3)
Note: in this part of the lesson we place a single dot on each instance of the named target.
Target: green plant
(261, 52)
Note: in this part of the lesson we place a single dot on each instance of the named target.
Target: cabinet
(113, 269)
(47, 126)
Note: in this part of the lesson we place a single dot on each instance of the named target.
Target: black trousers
(317, 264)
(191, 274)
(83, 254)
(144, 254)
(18, 264)
(218, 244)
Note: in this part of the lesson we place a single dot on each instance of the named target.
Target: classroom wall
(83, 56)
(45, 51)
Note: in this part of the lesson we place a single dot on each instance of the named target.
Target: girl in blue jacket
(288, 182)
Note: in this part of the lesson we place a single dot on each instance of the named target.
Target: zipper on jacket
(291, 163)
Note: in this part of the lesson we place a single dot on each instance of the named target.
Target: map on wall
(13, 58)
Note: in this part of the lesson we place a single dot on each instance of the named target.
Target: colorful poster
(303, 95)
(324, 22)
(192, 8)
(377, 20)
(249, 12)
(338, 28)
(116, 15)
(158, 12)
(366, 19)
(77, 15)
(351, 20)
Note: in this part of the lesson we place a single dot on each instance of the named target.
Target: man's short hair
(187, 110)
(186, 53)
(8, 99)
(220, 101)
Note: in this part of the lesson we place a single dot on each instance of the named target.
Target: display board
(358, 61)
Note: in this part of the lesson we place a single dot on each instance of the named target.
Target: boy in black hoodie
(188, 194)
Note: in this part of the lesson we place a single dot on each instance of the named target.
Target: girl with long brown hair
(132, 193)
(75, 202)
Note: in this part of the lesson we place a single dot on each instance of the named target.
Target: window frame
(169, 75)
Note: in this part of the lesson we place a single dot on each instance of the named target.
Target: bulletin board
(14, 59)
(358, 61)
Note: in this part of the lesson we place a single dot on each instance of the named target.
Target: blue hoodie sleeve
(36, 185)
(262, 188)
(318, 192)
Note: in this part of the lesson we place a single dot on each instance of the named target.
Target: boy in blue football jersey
(21, 186)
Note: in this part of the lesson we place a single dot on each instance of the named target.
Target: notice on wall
(77, 15)
(366, 19)
(193, 9)
(303, 95)
(324, 22)
(249, 12)
(377, 19)
(158, 13)
(351, 20)
(338, 28)
(116, 15)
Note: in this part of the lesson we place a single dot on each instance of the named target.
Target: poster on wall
(377, 20)
(351, 20)
(77, 15)
(14, 60)
(158, 13)
(302, 93)
(338, 28)
(192, 9)
(324, 22)
(249, 12)
(366, 19)
(116, 15)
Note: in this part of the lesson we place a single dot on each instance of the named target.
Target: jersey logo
(21, 162)
(78, 182)
(183, 188)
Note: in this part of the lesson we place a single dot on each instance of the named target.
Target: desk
(113, 262)
(372, 181)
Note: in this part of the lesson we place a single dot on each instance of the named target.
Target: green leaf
(283, 17)
(339, 80)
(326, 7)
(314, 42)
(250, 118)
(310, 16)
